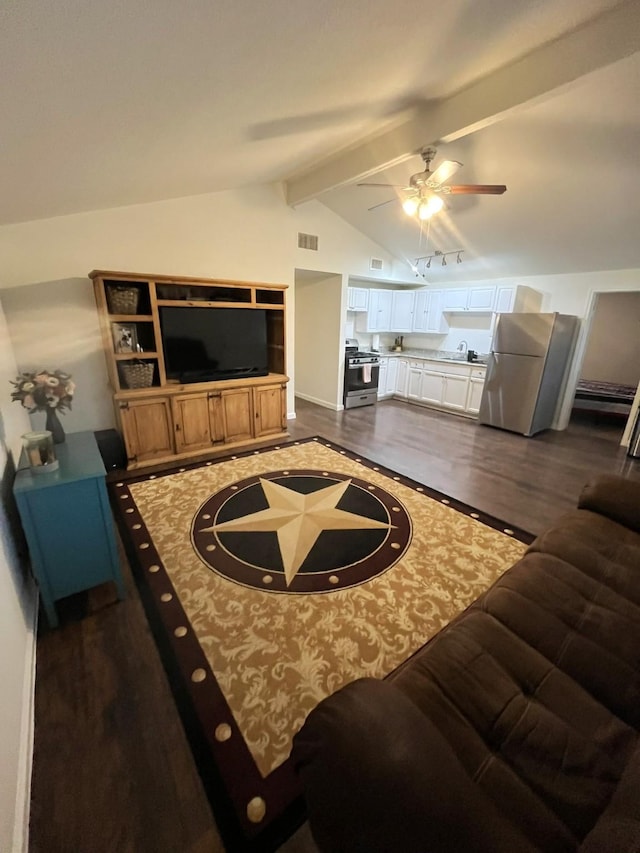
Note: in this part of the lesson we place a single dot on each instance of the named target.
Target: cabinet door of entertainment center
(147, 428)
(192, 422)
(270, 410)
(236, 409)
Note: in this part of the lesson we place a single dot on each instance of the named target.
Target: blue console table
(68, 524)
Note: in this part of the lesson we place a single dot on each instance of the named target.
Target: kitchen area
(491, 353)
(427, 346)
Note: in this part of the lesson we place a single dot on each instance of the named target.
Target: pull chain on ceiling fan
(425, 188)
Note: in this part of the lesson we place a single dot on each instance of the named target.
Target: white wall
(246, 235)
(613, 349)
(17, 625)
(55, 326)
(319, 346)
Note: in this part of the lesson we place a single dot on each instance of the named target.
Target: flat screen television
(205, 344)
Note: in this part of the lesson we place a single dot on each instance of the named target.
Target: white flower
(51, 380)
(28, 386)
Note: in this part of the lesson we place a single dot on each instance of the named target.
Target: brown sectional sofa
(515, 729)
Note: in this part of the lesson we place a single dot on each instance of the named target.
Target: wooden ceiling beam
(536, 76)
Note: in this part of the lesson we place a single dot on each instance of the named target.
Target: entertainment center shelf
(166, 411)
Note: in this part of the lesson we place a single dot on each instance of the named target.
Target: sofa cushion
(540, 746)
(618, 829)
(615, 497)
(380, 778)
(584, 627)
(599, 547)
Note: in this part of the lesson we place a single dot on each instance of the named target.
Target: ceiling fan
(425, 187)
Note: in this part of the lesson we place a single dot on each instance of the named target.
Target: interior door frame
(573, 378)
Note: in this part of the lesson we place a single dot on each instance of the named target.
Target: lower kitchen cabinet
(414, 382)
(401, 380)
(456, 387)
(476, 384)
(431, 387)
(383, 366)
(454, 391)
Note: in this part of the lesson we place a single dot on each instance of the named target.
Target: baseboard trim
(25, 763)
(323, 403)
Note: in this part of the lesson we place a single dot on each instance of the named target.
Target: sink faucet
(463, 346)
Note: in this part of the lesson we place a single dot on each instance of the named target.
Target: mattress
(612, 397)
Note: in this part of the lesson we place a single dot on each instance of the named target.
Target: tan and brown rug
(274, 577)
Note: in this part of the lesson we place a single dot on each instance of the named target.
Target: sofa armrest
(618, 498)
(378, 776)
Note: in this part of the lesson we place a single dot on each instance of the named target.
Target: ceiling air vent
(376, 264)
(308, 241)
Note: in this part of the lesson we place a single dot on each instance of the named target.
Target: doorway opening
(610, 371)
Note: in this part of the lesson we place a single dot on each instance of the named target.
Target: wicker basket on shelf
(137, 374)
(122, 299)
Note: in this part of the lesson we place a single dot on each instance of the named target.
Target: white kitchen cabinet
(454, 391)
(431, 386)
(357, 298)
(474, 394)
(505, 299)
(518, 298)
(401, 379)
(382, 377)
(455, 299)
(435, 319)
(392, 376)
(421, 311)
(402, 308)
(481, 299)
(414, 381)
(378, 316)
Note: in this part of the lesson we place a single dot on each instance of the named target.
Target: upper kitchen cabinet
(518, 298)
(402, 310)
(455, 299)
(481, 299)
(469, 299)
(427, 313)
(358, 299)
(378, 315)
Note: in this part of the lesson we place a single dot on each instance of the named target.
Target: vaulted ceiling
(109, 104)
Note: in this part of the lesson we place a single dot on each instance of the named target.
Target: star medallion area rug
(273, 578)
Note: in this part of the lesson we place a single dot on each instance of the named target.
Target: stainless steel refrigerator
(526, 370)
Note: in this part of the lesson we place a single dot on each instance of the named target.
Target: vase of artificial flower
(46, 391)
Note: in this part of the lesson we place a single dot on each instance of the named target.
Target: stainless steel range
(361, 370)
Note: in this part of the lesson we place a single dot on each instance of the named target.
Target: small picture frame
(125, 338)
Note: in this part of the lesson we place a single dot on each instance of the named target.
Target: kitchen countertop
(408, 353)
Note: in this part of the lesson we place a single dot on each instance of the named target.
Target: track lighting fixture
(426, 259)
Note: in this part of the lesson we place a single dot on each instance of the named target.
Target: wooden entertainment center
(162, 419)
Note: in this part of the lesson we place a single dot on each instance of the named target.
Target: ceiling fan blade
(475, 189)
(444, 171)
(382, 203)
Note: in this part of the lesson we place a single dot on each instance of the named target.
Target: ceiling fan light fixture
(410, 206)
(429, 206)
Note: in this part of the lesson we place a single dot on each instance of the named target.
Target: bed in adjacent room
(606, 398)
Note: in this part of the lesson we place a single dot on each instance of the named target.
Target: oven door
(361, 377)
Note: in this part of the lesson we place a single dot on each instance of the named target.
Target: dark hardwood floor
(112, 768)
